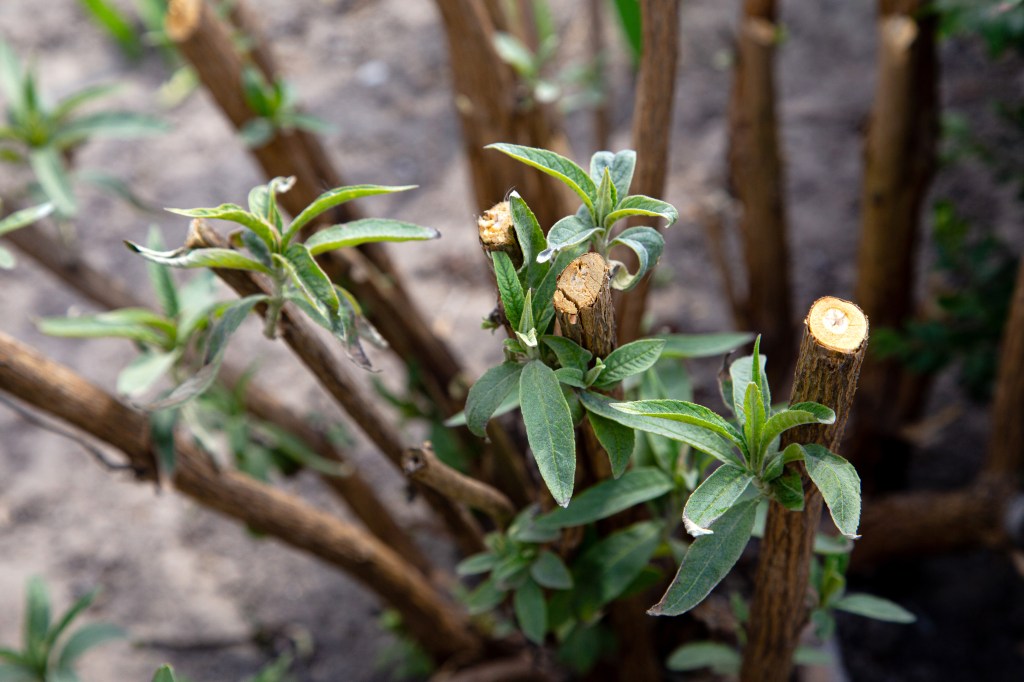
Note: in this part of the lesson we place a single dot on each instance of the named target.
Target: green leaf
(870, 606)
(625, 361)
(161, 434)
(606, 197)
(510, 403)
(839, 485)
(165, 674)
(336, 197)
(639, 205)
(144, 371)
(7, 259)
(754, 411)
(647, 243)
(11, 81)
(235, 214)
(313, 281)
(549, 429)
(478, 563)
(49, 170)
(116, 24)
(569, 353)
(702, 345)
(632, 26)
(17, 673)
(740, 371)
(795, 415)
(554, 165)
(788, 490)
(569, 231)
(513, 52)
(805, 655)
(617, 440)
(365, 231)
(137, 324)
(792, 453)
(570, 377)
(490, 391)
(256, 132)
(484, 598)
(600, 162)
(85, 638)
(526, 331)
(37, 614)
(25, 216)
(509, 288)
(714, 497)
(80, 605)
(620, 165)
(113, 123)
(610, 566)
(531, 611)
(721, 658)
(549, 571)
(685, 412)
(528, 231)
(160, 277)
(695, 436)
(708, 560)
(81, 97)
(609, 497)
(200, 258)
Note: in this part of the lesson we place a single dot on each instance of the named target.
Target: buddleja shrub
(550, 377)
(720, 513)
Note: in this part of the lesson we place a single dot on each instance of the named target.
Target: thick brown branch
(756, 176)
(1006, 447)
(55, 389)
(831, 353)
(652, 130)
(421, 464)
(301, 338)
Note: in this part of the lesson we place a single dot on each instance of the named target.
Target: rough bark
(831, 353)
(492, 107)
(583, 304)
(652, 132)
(899, 162)
(1006, 446)
(298, 334)
(422, 465)
(55, 389)
(757, 179)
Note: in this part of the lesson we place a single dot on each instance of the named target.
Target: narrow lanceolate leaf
(633, 358)
(336, 197)
(714, 497)
(108, 123)
(795, 415)
(694, 436)
(368, 230)
(25, 216)
(622, 171)
(606, 196)
(754, 411)
(685, 412)
(136, 324)
(549, 429)
(839, 485)
(617, 440)
(610, 497)
(740, 374)
(531, 611)
(37, 613)
(610, 566)
(639, 205)
(702, 345)
(569, 353)
(569, 231)
(722, 659)
(53, 178)
(549, 571)
(489, 392)
(476, 564)
(160, 277)
(144, 371)
(235, 214)
(528, 231)
(509, 288)
(200, 258)
(598, 163)
(788, 490)
(870, 606)
(554, 165)
(85, 638)
(647, 243)
(165, 674)
(708, 560)
(313, 280)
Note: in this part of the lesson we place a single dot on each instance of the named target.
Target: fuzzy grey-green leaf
(336, 197)
(365, 231)
(617, 440)
(839, 484)
(714, 497)
(610, 497)
(632, 358)
(488, 393)
(549, 429)
(554, 165)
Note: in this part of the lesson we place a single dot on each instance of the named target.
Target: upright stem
(831, 353)
(1006, 447)
(652, 131)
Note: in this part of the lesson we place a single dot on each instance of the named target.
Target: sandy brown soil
(194, 588)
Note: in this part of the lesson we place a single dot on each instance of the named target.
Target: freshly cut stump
(583, 304)
(497, 233)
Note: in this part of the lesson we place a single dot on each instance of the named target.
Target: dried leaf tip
(837, 324)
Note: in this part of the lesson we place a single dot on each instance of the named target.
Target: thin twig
(421, 464)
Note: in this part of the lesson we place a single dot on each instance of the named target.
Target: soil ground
(196, 590)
